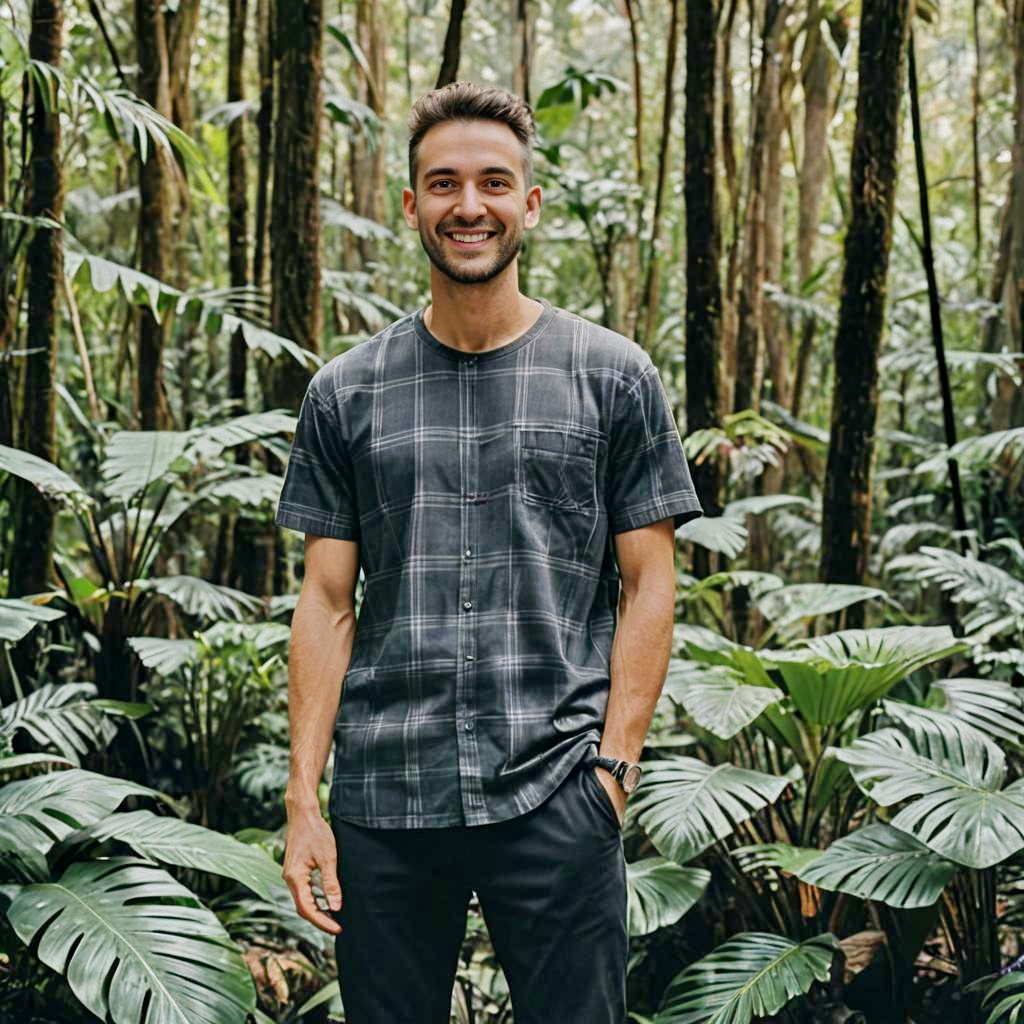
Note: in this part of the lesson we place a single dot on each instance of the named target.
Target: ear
(533, 201)
(409, 208)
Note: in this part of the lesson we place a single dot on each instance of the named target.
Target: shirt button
(467, 605)
(470, 657)
(468, 726)
(468, 552)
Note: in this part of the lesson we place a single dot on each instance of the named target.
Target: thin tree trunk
(238, 241)
(703, 248)
(727, 384)
(750, 337)
(815, 72)
(33, 515)
(452, 45)
(846, 500)
(525, 26)
(1008, 407)
(264, 132)
(631, 305)
(652, 278)
(934, 309)
(156, 196)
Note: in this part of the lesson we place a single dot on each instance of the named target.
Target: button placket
(465, 678)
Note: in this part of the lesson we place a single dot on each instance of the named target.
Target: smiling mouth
(470, 239)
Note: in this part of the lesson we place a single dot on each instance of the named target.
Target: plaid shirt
(483, 491)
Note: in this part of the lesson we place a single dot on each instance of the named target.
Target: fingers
(298, 873)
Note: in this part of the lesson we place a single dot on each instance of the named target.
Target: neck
(477, 317)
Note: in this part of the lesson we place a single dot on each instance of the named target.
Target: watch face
(631, 779)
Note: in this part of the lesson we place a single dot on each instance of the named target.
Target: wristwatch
(626, 773)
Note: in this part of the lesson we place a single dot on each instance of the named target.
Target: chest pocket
(557, 467)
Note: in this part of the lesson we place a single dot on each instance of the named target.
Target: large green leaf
(718, 699)
(751, 976)
(881, 863)
(60, 717)
(137, 458)
(685, 805)
(786, 606)
(775, 857)
(173, 841)
(125, 934)
(992, 599)
(660, 892)
(19, 618)
(725, 534)
(830, 676)
(44, 476)
(58, 803)
(162, 654)
(202, 598)
(991, 706)
(962, 813)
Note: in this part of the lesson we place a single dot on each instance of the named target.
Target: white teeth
(459, 237)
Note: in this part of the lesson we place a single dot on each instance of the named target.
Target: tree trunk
(846, 499)
(33, 515)
(703, 247)
(1008, 406)
(238, 242)
(452, 45)
(155, 198)
(295, 214)
(750, 307)
(652, 277)
(264, 131)
(815, 70)
(525, 29)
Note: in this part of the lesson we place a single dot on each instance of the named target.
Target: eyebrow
(437, 172)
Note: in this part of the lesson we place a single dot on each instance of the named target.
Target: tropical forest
(808, 213)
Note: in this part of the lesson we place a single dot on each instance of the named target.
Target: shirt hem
(396, 821)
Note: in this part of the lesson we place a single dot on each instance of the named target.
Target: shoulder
(353, 369)
(606, 352)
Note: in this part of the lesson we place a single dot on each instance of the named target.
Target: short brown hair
(467, 101)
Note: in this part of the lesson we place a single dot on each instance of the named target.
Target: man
(496, 466)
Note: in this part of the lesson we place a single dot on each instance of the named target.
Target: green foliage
(753, 975)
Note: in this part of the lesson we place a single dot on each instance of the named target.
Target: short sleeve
(648, 476)
(318, 495)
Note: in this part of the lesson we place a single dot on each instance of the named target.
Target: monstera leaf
(660, 892)
(990, 706)
(45, 476)
(753, 975)
(719, 700)
(173, 841)
(883, 864)
(952, 779)
(54, 805)
(685, 805)
(134, 944)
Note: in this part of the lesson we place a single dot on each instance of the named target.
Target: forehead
(469, 146)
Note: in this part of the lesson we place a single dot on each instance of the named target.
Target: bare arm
(642, 644)
(323, 629)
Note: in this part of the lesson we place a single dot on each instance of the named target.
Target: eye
(497, 183)
(441, 181)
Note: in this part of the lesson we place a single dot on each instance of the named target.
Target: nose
(469, 206)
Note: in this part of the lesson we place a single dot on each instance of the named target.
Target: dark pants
(552, 889)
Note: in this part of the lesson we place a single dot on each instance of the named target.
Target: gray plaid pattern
(483, 491)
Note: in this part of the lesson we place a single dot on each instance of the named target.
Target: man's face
(471, 205)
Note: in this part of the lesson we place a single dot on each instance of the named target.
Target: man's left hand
(615, 792)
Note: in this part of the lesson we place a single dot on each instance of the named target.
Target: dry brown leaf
(860, 949)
